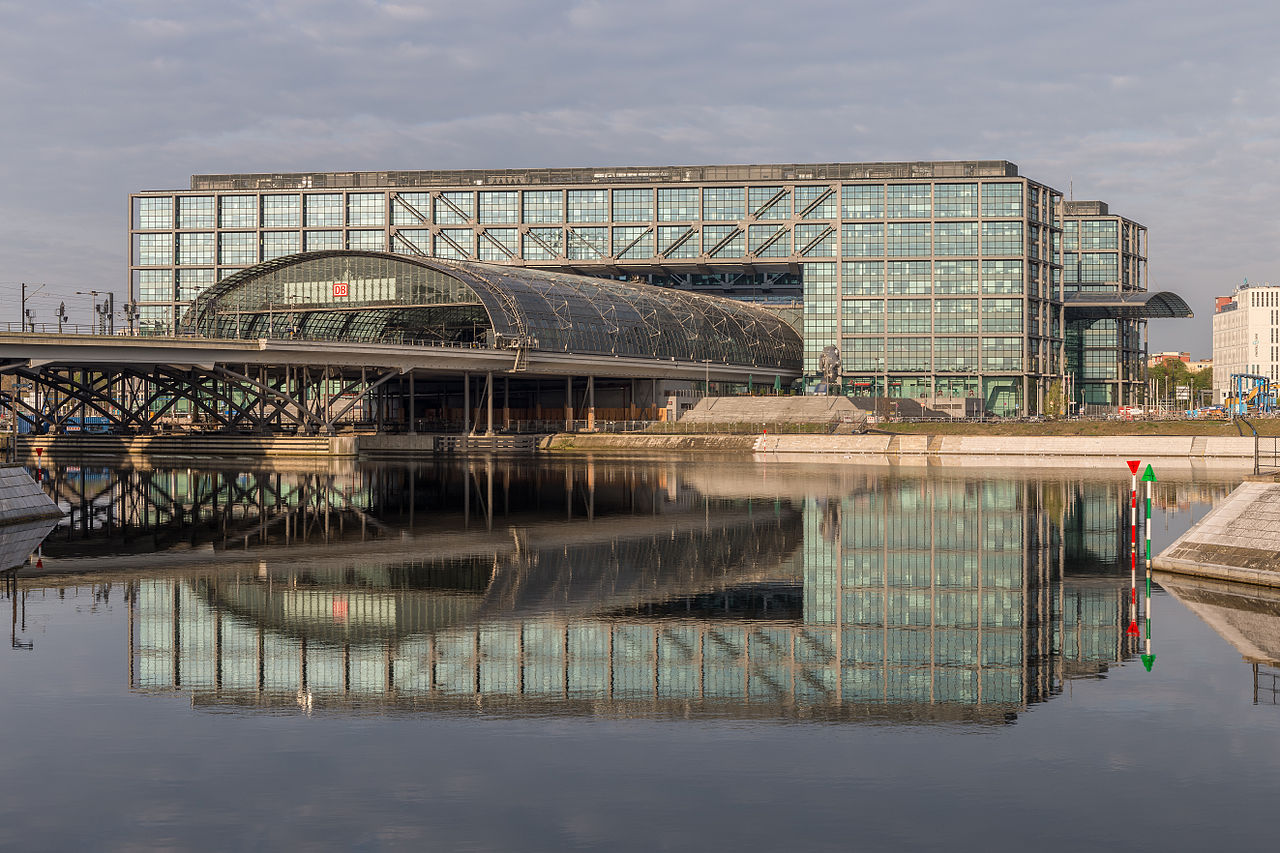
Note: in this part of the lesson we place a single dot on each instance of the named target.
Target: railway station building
(934, 279)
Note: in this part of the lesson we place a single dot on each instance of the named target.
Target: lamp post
(93, 305)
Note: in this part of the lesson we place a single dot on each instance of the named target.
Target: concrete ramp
(774, 410)
(1239, 540)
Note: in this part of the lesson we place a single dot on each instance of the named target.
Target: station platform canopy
(379, 297)
(1147, 305)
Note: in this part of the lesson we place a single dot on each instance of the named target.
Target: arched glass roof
(1149, 304)
(378, 297)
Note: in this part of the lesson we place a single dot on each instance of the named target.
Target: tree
(1174, 373)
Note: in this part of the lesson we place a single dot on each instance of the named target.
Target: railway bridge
(313, 342)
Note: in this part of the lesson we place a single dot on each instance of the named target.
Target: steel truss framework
(255, 398)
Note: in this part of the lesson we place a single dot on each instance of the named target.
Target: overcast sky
(1165, 109)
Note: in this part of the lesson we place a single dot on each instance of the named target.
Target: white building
(1246, 336)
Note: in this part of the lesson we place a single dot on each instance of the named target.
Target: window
(956, 316)
(155, 286)
(276, 244)
(863, 317)
(454, 243)
(1002, 315)
(677, 205)
(498, 244)
(723, 241)
(155, 212)
(815, 203)
(237, 248)
(955, 354)
(769, 202)
(955, 276)
(237, 211)
(196, 248)
(862, 241)
(191, 283)
(909, 316)
(1001, 354)
(909, 238)
(155, 319)
(815, 240)
(955, 238)
(501, 208)
(153, 249)
(863, 277)
(910, 277)
(769, 241)
(1002, 238)
(1002, 199)
(281, 211)
(412, 241)
(723, 203)
(322, 210)
(543, 244)
(910, 201)
(588, 205)
(677, 241)
(455, 208)
(368, 241)
(318, 241)
(633, 242)
(1095, 234)
(366, 209)
(633, 205)
(1099, 266)
(543, 206)
(955, 201)
(587, 244)
(195, 211)
(909, 353)
(410, 209)
(1002, 276)
(859, 201)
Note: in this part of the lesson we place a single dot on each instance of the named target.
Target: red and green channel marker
(1148, 658)
(1133, 547)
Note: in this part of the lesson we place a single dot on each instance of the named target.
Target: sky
(1165, 109)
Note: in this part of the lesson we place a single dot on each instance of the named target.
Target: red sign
(339, 290)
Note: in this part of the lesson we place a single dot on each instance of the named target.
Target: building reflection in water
(621, 589)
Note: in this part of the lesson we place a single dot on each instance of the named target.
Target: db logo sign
(339, 290)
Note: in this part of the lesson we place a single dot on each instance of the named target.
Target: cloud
(1167, 111)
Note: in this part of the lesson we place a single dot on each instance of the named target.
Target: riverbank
(983, 450)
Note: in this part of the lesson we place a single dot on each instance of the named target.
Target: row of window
(940, 354)
(906, 239)
(510, 207)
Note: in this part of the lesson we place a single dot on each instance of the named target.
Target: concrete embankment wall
(1239, 540)
(1053, 451)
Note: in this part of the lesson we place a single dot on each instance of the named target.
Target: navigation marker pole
(1133, 547)
(1148, 477)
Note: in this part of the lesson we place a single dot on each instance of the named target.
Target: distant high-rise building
(1246, 336)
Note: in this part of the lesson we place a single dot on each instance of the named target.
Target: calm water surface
(493, 655)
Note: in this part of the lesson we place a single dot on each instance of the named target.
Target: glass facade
(938, 599)
(826, 234)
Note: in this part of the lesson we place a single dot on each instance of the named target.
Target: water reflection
(619, 589)
(1246, 616)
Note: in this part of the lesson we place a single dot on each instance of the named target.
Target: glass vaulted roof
(377, 297)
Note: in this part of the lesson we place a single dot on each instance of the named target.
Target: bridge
(308, 343)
